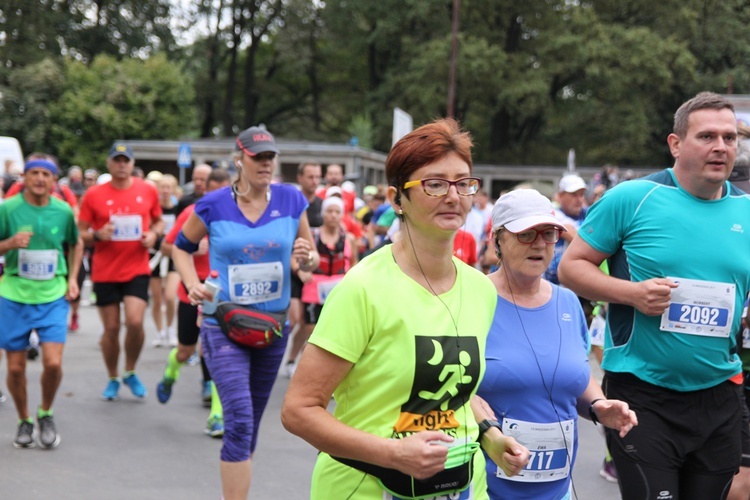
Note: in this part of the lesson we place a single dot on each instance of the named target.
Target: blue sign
(184, 156)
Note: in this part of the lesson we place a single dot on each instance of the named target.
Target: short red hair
(427, 144)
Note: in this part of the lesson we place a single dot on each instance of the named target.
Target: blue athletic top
(528, 349)
(238, 245)
(651, 228)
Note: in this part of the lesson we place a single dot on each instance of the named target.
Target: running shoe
(291, 367)
(25, 435)
(608, 471)
(172, 336)
(193, 360)
(2, 397)
(110, 392)
(215, 426)
(32, 352)
(136, 387)
(48, 436)
(164, 389)
(206, 393)
(74, 323)
(160, 340)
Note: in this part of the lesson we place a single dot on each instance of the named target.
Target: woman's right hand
(422, 454)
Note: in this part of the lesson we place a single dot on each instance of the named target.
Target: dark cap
(740, 178)
(256, 140)
(121, 149)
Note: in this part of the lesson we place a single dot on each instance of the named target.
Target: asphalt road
(131, 449)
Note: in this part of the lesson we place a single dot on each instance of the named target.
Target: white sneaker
(160, 340)
(172, 336)
(290, 367)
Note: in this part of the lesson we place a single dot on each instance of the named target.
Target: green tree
(33, 30)
(25, 100)
(121, 28)
(110, 100)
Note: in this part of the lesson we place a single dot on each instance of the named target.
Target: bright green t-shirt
(34, 275)
(418, 360)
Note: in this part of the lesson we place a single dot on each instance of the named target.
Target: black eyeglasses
(467, 186)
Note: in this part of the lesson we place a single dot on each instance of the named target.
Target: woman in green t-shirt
(400, 344)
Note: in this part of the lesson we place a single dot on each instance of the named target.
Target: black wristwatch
(486, 425)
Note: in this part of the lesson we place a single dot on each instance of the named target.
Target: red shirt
(352, 226)
(120, 261)
(62, 192)
(347, 196)
(202, 265)
(465, 247)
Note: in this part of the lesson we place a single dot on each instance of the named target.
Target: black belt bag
(445, 482)
(248, 326)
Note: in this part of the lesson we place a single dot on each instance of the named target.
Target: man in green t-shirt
(35, 289)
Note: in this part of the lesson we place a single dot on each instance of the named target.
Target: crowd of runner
(592, 268)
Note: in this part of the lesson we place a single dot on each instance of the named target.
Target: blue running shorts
(50, 320)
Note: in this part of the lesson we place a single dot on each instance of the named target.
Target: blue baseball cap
(121, 149)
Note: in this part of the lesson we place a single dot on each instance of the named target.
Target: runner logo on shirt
(446, 372)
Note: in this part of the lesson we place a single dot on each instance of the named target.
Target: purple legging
(244, 378)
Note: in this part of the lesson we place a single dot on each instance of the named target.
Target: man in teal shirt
(36, 284)
(678, 247)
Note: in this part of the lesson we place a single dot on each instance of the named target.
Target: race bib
(169, 220)
(255, 283)
(37, 265)
(127, 227)
(700, 308)
(550, 446)
(325, 287)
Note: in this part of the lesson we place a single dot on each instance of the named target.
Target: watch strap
(486, 425)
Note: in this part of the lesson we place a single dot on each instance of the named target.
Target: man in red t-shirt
(334, 178)
(121, 219)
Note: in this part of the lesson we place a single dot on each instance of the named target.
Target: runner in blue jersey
(255, 229)
(678, 244)
(538, 379)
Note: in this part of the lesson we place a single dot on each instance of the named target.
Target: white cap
(332, 201)
(348, 186)
(334, 190)
(521, 209)
(572, 183)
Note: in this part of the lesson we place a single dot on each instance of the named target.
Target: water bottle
(212, 286)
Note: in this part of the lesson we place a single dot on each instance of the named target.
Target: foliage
(534, 78)
(110, 100)
(25, 101)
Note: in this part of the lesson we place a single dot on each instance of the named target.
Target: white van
(10, 152)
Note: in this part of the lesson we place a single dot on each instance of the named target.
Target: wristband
(96, 237)
(592, 413)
